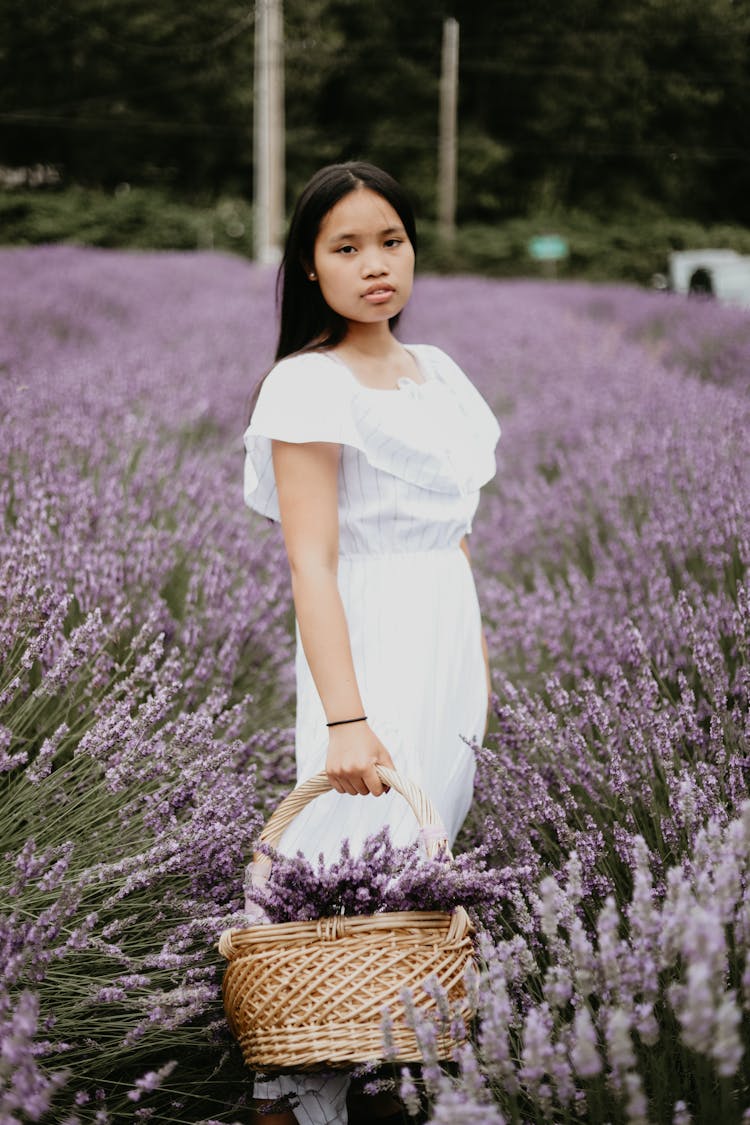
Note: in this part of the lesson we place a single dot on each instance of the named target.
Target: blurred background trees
(632, 107)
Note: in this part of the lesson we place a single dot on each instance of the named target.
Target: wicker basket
(305, 995)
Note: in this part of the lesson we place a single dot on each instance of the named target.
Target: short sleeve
(304, 398)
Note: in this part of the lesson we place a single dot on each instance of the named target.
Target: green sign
(548, 248)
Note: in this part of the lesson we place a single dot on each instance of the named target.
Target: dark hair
(306, 321)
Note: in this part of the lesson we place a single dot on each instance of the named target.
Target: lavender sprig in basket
(311, 992)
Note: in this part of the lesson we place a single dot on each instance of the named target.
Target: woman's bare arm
(307, 483)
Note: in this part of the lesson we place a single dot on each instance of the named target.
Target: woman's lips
(379, 295)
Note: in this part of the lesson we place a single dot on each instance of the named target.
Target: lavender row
(614, 579)
(146, 682)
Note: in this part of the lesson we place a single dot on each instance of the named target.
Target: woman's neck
(376, 358)
(371, 341)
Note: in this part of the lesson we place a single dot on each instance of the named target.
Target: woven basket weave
(305, 995)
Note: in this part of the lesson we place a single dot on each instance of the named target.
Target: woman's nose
(373, 264)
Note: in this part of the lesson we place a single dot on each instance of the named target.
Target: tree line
(623, 107)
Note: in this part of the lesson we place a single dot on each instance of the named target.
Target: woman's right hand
(353, 752)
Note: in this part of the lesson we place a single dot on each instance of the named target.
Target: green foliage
(561, 106)
(111, 91)
(623, 248)
(139, 218)
(626, 247)
(604, 105)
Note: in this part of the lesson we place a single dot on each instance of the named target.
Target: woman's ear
(309, 270)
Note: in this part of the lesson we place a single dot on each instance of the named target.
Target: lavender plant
(144, 692)
(634, 1017)
(126, 818)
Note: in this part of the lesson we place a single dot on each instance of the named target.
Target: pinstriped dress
(412, 462)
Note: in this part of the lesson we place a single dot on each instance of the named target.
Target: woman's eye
(393, 242)
(345, 249)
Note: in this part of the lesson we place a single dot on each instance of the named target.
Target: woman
(371, 454)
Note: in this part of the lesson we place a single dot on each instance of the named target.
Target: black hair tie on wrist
(341, 722)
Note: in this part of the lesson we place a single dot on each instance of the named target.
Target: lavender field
(146, 692)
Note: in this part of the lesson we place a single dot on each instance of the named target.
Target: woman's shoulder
(307, 381)
(302, 398)
(303, 368)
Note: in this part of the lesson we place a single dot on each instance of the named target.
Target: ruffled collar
(438, 433)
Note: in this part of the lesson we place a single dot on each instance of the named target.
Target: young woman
(371, 454)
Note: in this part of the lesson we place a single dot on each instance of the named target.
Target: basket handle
(432, 828)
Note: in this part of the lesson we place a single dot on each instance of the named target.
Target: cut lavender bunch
(381, 879)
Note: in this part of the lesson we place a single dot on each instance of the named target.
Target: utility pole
(268, 139)
(448, 134)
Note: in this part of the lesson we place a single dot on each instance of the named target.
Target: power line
(100, 103)
(120, 124)
(564, 69)
(172, 47)
(397, 139)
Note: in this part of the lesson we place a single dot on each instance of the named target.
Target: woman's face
(363, 258)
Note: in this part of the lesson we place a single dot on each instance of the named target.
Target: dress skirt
(416, 637)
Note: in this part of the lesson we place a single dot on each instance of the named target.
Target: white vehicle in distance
(723, 274)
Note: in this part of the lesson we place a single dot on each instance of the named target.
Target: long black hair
(306, 321)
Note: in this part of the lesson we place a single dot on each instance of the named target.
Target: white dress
(412, 462)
